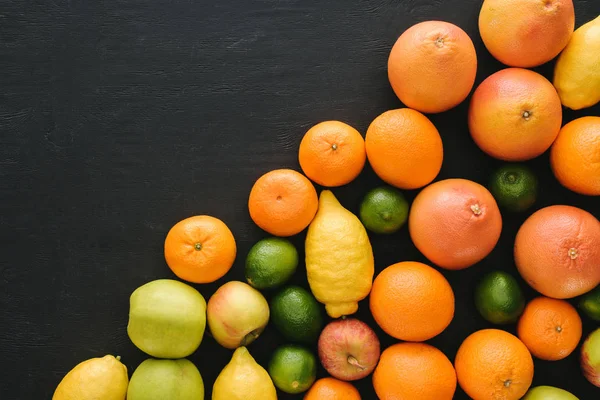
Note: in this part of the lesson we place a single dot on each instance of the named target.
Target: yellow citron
(243, 379)
(577, 72)
(339, 258)
(97, 378)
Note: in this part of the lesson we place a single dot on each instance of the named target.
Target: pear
(166, 379)
(97, 378)
(243, 379)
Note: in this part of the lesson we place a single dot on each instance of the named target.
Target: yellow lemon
(577, 72)
(339, 258)
(243, 379)
(97, 378)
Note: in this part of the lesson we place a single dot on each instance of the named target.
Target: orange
(414, 371)
(550, 328)
(494, 365)
(432, 66)
(557, 251)
(283, 202)
(412, 301)
(526, 33)
(332, 389)
(515, 115)
(455, 223)
(200, 249)
(575, 156)
(404, 148)
(332, 153)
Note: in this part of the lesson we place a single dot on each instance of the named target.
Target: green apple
(590, 358)
(167, 318)
(166, 379)
(237, 314)
(548, 393)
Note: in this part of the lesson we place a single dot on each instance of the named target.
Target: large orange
(332, 389)
(283, 202)
(575, 156)
(432, 66)
(557, 251)
(550, 328)
(412, 301)
(515, 114)
(332, 153)
(200, 249)
(494, 365)
(526, 33)
(404, 148)
(414, 371)
(455, 223)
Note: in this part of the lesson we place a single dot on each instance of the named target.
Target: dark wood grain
(119, 118)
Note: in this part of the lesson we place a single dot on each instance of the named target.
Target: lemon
(97, 378)
(577, 71)
(339, 258)
(243, 379)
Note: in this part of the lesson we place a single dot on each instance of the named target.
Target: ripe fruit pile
(514, 115)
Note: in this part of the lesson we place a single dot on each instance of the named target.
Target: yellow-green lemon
(339, 258)
(97, 378)
(243, 379)
(577, 72)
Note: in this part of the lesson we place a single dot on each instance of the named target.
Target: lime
(296, 314)
(384, 210)
(270, 263)
(514, 186)
(590, 304)
(293, 369)
(498, 298)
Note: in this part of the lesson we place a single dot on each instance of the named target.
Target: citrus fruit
(499, 298)
(590, 304)
(432, 66)
(296, 314)
(525, 33)
(575, 156)
(332, 153)
(557, 251)
(283, 202)
(455, 223)
(293, 369)
(514, 186)
(412, 301)
(414, 371)
(270, 263)
(332, 389)
(515, 115)
(384, 210)
(200, 249)
(404, 148)
(492, 364)
(550, 328)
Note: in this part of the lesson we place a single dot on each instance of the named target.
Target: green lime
(293, 369)
(296, 314)
(498, 298)
(384, 210)
(514, 186)
(590, 304)
(270, 263)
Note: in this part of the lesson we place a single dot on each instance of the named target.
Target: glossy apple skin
(348, 349)
(590, 358)
(237, 314)
(548, 393)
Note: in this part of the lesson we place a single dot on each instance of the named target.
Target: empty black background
(120, 118)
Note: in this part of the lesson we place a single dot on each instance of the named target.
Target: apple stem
(249, 338)
(354, 362)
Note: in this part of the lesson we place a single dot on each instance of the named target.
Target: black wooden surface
(119, 118)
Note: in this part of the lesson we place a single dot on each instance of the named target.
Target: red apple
(348, 349)
(590, 358)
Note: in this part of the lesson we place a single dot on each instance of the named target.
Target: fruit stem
(354, 362)
(334, 146)
(512, 178)
(526, 115)
(249, 338)
(507, 383)
(573, 253)
(439, 42)
(118, 358)
(476, 209)
(198, 246)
